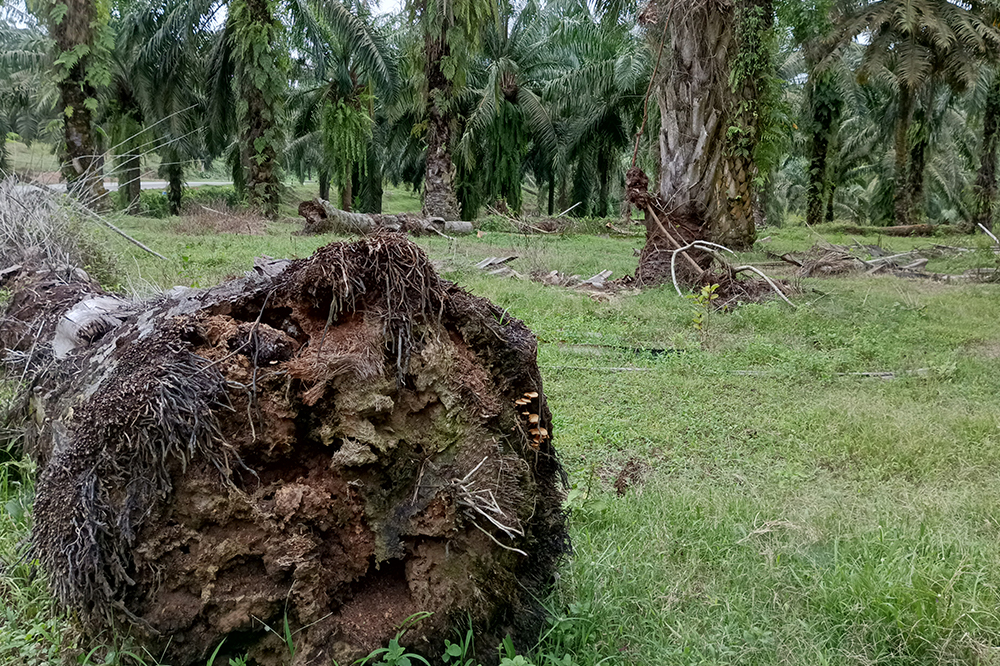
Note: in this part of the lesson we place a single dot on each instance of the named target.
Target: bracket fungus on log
(341, 442)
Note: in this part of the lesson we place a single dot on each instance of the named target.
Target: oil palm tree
(155, 100)
(597, 100)
(27, 97)
(78, 29)
(986, 178)
(336, 100)
(508, 115)
(450, 36)
(912, 43)
(813, 30)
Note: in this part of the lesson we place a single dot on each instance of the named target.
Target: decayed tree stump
(340, 442)
(322, 217)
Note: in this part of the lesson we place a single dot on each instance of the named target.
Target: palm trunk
(78, 153)
(829, 202)
(825, 107)
(347, 194)
(915, 178)
(817, 177)
(822, 128)
(737, 189)
(902, 202)
(156, 465)
(581, 188)
(693, 97)
(259, 135)
(552, 192)
(129, 183)
(603, 178)
(694, 89)
(324, 184)
(175, 178)
(918, 154)
(439, 185)
(986, 179)
(705, 179)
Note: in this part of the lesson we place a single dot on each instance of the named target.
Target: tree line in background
(875, 112)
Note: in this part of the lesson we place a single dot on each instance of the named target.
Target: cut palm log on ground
(332, 445)
(678, 252)
(322, 217)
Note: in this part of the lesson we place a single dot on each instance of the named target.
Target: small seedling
(395, 654)
(509, 656)
(703, 302)
(459, 654)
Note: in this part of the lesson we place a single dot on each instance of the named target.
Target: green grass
(34, 159)
(790, 511)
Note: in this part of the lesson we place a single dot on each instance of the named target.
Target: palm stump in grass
(339, 444)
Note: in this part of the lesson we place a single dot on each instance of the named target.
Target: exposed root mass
(343, 444)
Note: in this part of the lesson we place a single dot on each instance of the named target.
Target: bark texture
(324, 184)
(986, 179)
(80, 163)
(707, 177)
(902, 200)
(693, 97)
(439, 186)
(819, 147)
(259, 134)
(336, 443)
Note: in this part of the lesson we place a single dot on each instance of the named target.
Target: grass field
(782, 507)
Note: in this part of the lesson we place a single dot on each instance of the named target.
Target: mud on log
(322, 217)
(343, 442)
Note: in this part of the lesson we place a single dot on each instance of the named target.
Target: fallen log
(322, 217)
(336, 443)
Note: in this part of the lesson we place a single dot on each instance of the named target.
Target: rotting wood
(490, 262)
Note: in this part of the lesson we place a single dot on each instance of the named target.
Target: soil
(632, 474)
(336, 447)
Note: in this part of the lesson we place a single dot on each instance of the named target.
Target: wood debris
(498, 266)
(825, 260)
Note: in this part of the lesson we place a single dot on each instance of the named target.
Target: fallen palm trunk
(321, 217)
(336, 444)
